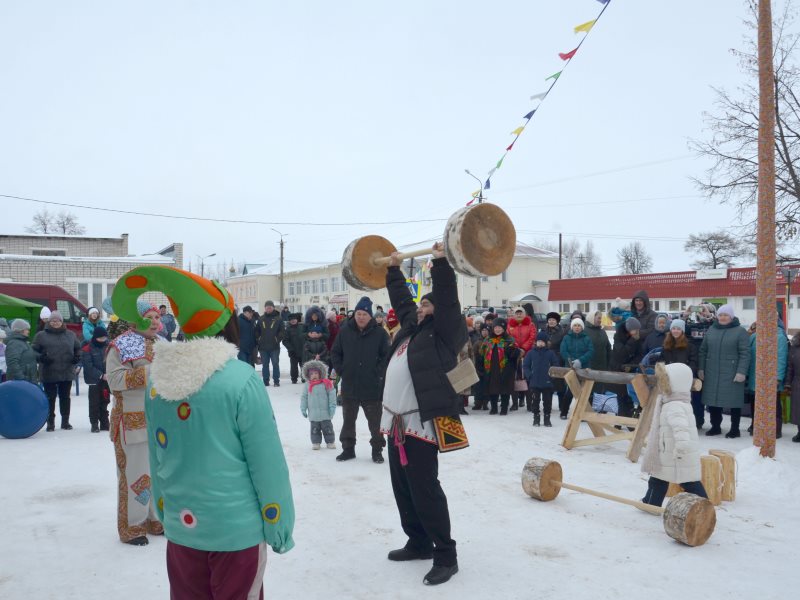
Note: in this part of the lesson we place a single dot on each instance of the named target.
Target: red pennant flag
(567, 55)
(510, 146)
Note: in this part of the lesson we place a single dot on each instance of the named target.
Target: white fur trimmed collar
(180, 369)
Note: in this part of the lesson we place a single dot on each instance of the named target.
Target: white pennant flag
(539, 96)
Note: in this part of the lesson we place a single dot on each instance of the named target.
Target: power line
(217, 219)
(606, 235)
(604, 202)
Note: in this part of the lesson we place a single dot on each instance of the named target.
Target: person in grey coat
(723, 366)
(59, 352)
(21, 359)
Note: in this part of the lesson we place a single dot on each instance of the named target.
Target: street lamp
(203, 264)
(281, 243)
(480, 200)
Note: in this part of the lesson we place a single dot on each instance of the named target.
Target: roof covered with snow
(142, 258)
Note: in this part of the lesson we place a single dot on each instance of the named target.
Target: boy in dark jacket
(294, 339)
(536, 367)
(93, 357)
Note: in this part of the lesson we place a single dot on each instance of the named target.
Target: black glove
(45, 360)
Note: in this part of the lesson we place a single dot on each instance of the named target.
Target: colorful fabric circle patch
(161, 504)
(188, 519)
(153, 392)
(161, 437)
(271, 513)
(184, 410)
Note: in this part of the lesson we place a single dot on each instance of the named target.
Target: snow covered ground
(58, 530)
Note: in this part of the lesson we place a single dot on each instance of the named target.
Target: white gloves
(576, 364)
(739, 378)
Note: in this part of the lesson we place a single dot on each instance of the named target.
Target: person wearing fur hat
(499, 363)
(21, 358)
(418, 394)
(93, 358)
(536, 368)
(522, 329)
(127, 370)
(673, 449)
(359, 357)
(318, 403)
(220, 482)
(91, 321)
(315, 316)
(576, 352)
(269, 334)
(59, 353)
(724, 361)
(314, 347)
(294, 338)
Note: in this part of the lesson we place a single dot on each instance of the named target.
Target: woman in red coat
(523, 331)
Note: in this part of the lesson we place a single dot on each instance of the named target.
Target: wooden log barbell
(479, 240)
(687, 518)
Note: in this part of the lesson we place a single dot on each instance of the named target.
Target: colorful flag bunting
(471, 201)
(518, 130)
(500, 162)
(585, 26)
(539, 96)
(529, 115)
(603, 1)
(510, 146)
(487, 185)
(492, 170)
(554, 76)
(476, 193)
(567, 55)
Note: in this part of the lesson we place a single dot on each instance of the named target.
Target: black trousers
(544, 395)
(373, 411)
(420, 500)
(503, 402)
(99, 397)
(657, 490)
(62, 389)
(295, 364)
(715, 416)
(698, 409)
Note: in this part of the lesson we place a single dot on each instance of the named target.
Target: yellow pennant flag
(476, 193)
(518, 130)
(585, 26)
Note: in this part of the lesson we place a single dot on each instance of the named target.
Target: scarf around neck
(327, 383)
(500, 344)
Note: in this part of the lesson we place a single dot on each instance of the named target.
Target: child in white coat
(318, 403)
(673, 449)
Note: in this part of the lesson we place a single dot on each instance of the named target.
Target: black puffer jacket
(435, 343)
(314, 348)
(59, 352)
(93, 357)
(627, 351)
(646, 317)
(555, 335)
(360, 357)
(294, 338)
(269, 331)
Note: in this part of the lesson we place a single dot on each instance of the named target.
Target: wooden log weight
(687, 518)
(711, 477)
(728, 460)
(479, 240)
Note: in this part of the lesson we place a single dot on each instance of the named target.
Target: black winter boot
(406, 553)
(439, 574)
(547, 422)
(347, 454)
(536, 420)
(51, 423)
(797, 437)
(65, 423)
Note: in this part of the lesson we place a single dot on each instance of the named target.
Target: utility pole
(559, 256)
(281, 276)
(766, 351)
(480, 277)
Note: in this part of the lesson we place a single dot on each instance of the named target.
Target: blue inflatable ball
(23, 409)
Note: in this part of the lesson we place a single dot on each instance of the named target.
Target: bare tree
(66, 223)
(634, 259)
(42, 222)
(715, 249)
(733, 147)
(577, 262)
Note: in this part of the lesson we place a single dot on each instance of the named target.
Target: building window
(291, 288)
(656, 305)
(504, 301)
(314, 286)
(334, 284)
(674, 305)
(748, 303)
(583, 307)
(683, 304)
(604, 306)
(504, 276)
(485, 279)
(485, 303)
(306, 287)
(48, 252)
(323, 286)
(344, 284)
(563, 307)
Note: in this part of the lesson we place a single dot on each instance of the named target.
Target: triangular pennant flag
(554, 76)
(471, 201)
(585, 26)
(500, 162)
(518, 130)
(567, 55)
(539, 96)
(487, 185)
(510, 146)
(476, 193)
(529, 115)
(492, 170)
(603, 1)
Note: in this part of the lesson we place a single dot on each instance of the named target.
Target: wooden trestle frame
(581, 382)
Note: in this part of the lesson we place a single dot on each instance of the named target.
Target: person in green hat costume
(220, 482)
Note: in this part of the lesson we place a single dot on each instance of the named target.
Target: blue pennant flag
(529, 115)
(488, 184)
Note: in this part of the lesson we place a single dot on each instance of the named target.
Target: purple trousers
(202, 575)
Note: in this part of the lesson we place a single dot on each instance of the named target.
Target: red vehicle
(54, 298)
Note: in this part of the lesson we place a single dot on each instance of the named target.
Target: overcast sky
(326, 112)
